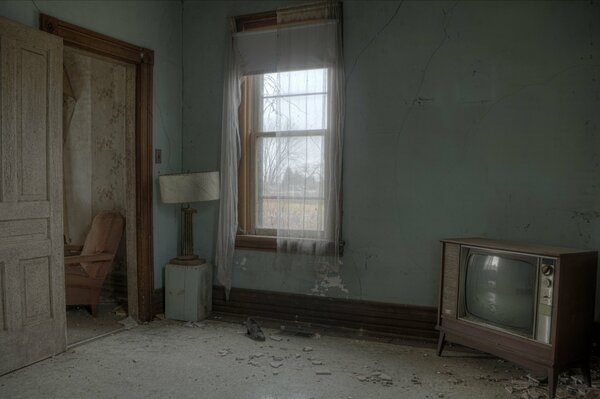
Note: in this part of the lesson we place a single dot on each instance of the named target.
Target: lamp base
(187, 260)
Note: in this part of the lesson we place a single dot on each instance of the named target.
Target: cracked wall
(475, 118)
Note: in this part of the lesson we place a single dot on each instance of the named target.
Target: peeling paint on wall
(328, 280)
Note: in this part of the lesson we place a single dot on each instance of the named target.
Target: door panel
(32, 92)
(32, 310)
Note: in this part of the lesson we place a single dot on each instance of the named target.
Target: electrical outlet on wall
(157, 155)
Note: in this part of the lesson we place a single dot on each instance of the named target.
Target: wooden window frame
(244, 237)
(244, 240)
(143, 60)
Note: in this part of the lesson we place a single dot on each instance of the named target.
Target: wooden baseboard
(370, 318)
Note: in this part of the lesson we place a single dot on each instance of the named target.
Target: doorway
(135, 64)
(98, 182)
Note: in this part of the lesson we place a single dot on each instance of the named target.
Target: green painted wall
(463, 119)
(155, 25)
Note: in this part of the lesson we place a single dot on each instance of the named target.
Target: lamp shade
(183, 188)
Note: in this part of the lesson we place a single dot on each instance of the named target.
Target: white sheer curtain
(297, 79)
(230, 158)
(306, 112)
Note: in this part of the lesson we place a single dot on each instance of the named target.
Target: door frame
(143, 59)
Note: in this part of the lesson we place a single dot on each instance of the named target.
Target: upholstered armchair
(87, 266)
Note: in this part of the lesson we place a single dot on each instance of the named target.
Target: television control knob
(547, 270)
(548, 282)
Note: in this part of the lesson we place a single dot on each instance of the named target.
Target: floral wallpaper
(98, 130)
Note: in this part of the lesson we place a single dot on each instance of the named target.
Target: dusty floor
(213, 359)
(82, 326)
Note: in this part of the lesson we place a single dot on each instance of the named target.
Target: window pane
(295, 113)
(295, 82)
(293, 214)
(290, 182)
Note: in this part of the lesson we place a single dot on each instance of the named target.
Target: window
(290, 133)
(287, 120)
(289, 166)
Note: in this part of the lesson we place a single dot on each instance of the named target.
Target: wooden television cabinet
(570, 314)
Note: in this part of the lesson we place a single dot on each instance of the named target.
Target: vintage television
(529, 304)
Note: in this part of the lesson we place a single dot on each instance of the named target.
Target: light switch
(158, 155)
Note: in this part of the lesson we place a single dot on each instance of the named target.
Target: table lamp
(184, 188)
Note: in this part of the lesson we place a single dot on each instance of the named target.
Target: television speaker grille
(450, 276)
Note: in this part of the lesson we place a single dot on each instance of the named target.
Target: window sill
(256, 242)
(267, 243)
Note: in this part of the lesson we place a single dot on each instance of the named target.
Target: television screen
(500, 290)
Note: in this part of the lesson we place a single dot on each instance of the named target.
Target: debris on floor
(571, 384)
(415, 380)
(224, 352)
(376, 377)
(193, 324)
(593, 393)
(322, 371)
(455, 381)
(324, 368)
(253, 330)
(128, 323)
(120, 311)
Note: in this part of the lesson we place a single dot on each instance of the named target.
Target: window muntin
(295, 100)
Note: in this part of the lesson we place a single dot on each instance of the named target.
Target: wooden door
(32, 305)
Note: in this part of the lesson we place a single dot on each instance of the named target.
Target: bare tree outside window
(290, 135)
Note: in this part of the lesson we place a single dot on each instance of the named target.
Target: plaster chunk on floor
(128, 323)
(377, 377)
(193, 324)
(224, 352)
